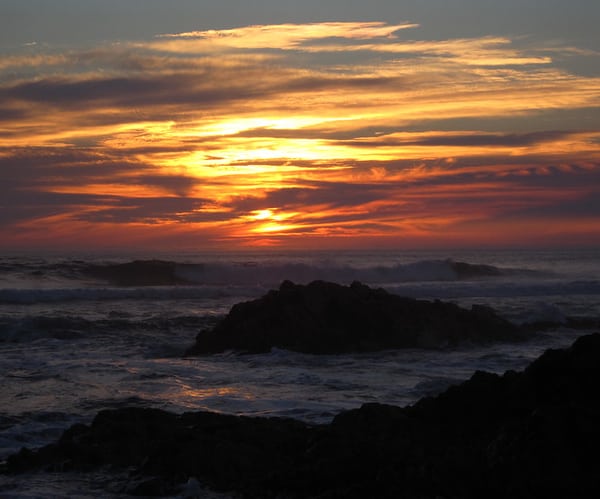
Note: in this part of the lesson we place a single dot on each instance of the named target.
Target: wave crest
(160, 273)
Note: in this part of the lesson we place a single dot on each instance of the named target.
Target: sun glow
(270, 220)
(237, 126)
(271, 215)
(272, 227)
(263, 215)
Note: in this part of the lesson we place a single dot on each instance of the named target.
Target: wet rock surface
(520, 435)
(324, 317)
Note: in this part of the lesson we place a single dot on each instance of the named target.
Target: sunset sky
(313, 124)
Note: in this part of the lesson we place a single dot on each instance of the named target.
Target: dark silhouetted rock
(227, 452)
(138, 273)
(533, 434)
(324, 317)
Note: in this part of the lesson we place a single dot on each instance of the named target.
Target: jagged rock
(138, 273)
(324, 317)
(228, 452)
(532, 434)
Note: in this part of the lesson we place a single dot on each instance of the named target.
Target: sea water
(78, 335)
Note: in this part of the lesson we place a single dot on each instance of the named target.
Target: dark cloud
(44, 168)
(332, 194)
(498, 139)
(9, 114)
(20, 205)
(64, 92)
(30, 179)
(318, 133)
(207, 87)
(580, 208)
(148, 210)
(551, 119)
(23, 205)
(471, 139)
(129, 92)
(180, 185)
(321, 83)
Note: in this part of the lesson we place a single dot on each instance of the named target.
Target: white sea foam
(55, 295)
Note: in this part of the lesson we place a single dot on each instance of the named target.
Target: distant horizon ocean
(83, 332)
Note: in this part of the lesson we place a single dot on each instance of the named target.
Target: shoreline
(522, 434)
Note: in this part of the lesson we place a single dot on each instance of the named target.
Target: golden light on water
(194, 396)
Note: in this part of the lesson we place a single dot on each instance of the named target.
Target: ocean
(84, 332)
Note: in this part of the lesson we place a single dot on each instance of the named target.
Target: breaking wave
(54, 295)
(41, 282)
(169, 273)
(38, 282)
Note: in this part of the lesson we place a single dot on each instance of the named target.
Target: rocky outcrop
(324, 317)
(138, 273)
(532, 434)
(164, 450)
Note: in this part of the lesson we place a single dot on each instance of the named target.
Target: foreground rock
(533, 434)
(324, 317)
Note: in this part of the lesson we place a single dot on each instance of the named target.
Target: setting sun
(263, 215)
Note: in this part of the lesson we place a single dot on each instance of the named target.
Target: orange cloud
(282, 36)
